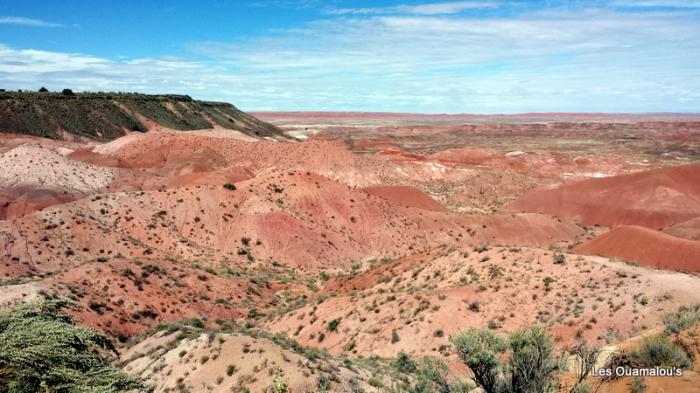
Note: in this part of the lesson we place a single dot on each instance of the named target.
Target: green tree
(480, 349)
(43, 350)
(531, 364)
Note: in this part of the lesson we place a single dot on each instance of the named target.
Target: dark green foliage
(531, 363)
(107, 115)
(479, 349)
(403, 363)
(394, 337)
(42, 350)
(529, 369)
(333, 325)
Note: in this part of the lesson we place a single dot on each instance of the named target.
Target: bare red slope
(646, 246)
(654, 199)
(687, 229)
(407, 196)
(465, 155)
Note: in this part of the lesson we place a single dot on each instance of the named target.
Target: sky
(474, 56)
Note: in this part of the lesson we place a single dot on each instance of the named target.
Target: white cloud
(555, 60)
(657, 3)
(422, 9)
(18, 20)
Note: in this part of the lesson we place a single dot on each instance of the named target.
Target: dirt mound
(687, 229)
(654, 199)
(646, 246)
(408, 196)
(35, 166)
(160, 152)
(35, 176)
(195, 360)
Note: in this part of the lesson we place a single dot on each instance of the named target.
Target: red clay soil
(301, 220)
(687, 229)
(654, 199)
(646, 246)
(467, 156)
(17, 202)
(407, 196)
(123, 298)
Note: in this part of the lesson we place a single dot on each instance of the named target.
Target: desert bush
(479, 349)
(280, 386)
(333, 325)
(638, 385)
(621, 359)
(432, 378)
(43, 350)
(481, 248)
(230, 186)
(659, 351)
(587, 355)
(685, 317)
(532, 363)
(403, 363)
(530, 367)
(581, 388)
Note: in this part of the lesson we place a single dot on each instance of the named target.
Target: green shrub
(431, 377)
(230, 369)
(685, 317)
(530, 367)
(532, 363)
(659, 351)
(403, 363)
(479, 349)
(638, 385)
(43, 350)
(280, 386)
(333, 325)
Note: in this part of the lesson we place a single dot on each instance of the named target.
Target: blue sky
(475, 56)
